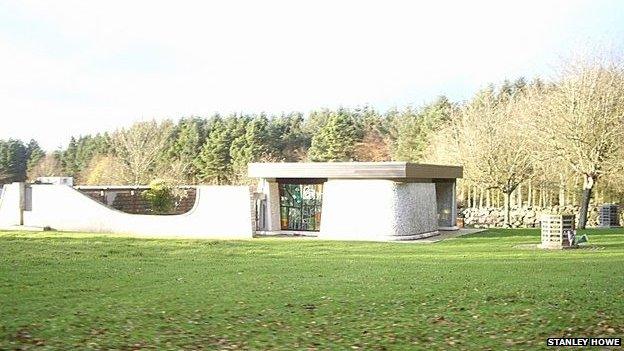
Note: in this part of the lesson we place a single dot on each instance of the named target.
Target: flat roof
(121, 187)
(353, 170)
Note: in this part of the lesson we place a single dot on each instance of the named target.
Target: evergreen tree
(187, 145)
(76, 158)
(249, 147)
(316, 120)
(409, 135)
(414, 129)
(335, 141)
(213, 163)
(287, 138)
(68, 158)
(13, 161)
(34, 154)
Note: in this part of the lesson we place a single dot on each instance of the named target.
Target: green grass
(88, 291)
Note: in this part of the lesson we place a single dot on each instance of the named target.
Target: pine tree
(249, 147)
(213, 162)
(34, 154)
(414, 129)
(13, 161)
(287, 139)
(410, 140)
(68, 158)
(187, 145)
(335, 141)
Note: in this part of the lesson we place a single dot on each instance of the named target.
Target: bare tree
(48, 166)
(491, 145)
(103, 169)
(580, 121)
(373, 147)
(140, 148)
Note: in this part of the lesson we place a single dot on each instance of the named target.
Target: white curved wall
(219, 212)
(378, 210)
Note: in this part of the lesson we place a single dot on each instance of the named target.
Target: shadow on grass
(504, 233)
(534, 233)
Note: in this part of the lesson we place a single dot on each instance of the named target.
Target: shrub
(159, 196)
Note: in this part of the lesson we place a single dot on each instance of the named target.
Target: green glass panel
(300, 206)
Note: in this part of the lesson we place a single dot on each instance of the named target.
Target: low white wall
(219, 212)
(11, 204)
(378, 210)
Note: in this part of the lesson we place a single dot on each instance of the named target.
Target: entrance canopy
(399, 171)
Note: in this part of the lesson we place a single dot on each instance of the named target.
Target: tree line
(521, 143)
(217, 149)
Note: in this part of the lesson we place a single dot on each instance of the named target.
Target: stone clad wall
(528, 217)
(378, 210)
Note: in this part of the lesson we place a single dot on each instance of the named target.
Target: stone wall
(132, 201)
(378, 210)
(527, 217)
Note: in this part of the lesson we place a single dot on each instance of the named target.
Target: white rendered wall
(378, 210)
(11, 204)
(219, 212)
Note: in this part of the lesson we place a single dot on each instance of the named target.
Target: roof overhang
(354, 170)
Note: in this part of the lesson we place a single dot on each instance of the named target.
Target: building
(378, 201)
(355, 200)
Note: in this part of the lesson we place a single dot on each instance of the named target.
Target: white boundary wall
(219, 212)
(11, 204)
(378, 210)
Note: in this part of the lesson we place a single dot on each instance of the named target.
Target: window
(300, 206)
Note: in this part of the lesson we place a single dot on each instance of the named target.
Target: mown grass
(88, 291)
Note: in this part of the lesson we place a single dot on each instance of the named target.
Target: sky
(78, 67)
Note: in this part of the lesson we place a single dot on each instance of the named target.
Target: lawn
(89, 291)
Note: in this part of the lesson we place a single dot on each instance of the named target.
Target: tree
(413, 130)
(68, 158)
(159, 196)
(34, 154)
(213, 163)
(335, 141)
(79, 152)
(103, 169)
(139, 149)
(47, 166)
(580, 122)
(249, 147)
(287, 137)
(13, 161)
(316, 120)
(491, 144)
(373, 147)
(188, 139)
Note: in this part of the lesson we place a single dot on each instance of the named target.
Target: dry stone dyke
(525, 217)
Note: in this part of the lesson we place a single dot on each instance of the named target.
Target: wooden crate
(554, 231)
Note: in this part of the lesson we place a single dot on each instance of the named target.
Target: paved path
(444, 234)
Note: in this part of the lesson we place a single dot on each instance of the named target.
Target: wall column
(270, 189)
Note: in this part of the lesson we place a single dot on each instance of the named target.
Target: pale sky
(77, 67)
